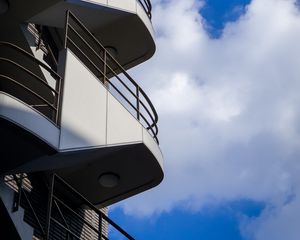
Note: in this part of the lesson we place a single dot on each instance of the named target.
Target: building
(78, 133)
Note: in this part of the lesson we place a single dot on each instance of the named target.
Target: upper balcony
(89, 122)
(122, 25)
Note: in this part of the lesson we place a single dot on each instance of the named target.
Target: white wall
(26, 117)
(91, 116)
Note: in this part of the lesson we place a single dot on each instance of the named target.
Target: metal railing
(147, 6)
(21, 185)
(65, 210)
(107, 69)
(63, 220)
(26, 73)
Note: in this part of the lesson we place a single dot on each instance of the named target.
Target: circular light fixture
(109, 180)
(3, 6)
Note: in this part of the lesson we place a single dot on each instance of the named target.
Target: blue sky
(217, 13)
(225, 83)
(212, 223)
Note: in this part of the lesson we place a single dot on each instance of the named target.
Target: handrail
(29, 90)
(30, 57)
(21, 192)
(147, 6)
(55, 91)
(112, 68)
(53, 197)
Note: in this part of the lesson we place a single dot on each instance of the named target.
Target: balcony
(92, 124)
(108, 20)
(51, 209)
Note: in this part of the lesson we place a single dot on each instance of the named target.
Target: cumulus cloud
(229, 113)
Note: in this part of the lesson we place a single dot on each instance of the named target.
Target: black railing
(49, 98)
(63, 217)
(147, 6)
(59, 212)
(21, 185)
(107, 69)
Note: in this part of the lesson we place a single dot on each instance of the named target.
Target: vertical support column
(66, 29)
(105, 82)
(49, 207)
(138, 102)
(100, 226)
(57, 100)
(18, 195)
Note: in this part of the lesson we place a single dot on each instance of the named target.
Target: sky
(225, 81)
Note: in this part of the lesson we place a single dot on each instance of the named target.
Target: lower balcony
(94, 126)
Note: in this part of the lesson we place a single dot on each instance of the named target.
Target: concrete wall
(91, 116)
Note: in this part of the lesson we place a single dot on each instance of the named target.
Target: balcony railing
(19, 80)
(107, 69)
(64, 217)
(147, 6)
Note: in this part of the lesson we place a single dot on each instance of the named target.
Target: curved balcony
(33, 89)
(93, 122)
(124, 25)
(108, 70)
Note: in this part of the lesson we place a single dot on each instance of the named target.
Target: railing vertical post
(104, 66)
(66, 29)
(58, 89)
(100, 226)
(138, 102)
(17, 199)
(49, 207)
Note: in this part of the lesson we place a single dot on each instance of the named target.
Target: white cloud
(229, 113)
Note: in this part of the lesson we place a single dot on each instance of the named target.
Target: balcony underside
(122, 25)
(136, 166)
(27, 149)
(19, 146)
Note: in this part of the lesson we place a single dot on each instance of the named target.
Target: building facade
(78, 133)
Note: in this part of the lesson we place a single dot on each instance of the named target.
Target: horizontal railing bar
(32, 58)
(84, 28)
(142, 92)
(70, 231)
(152, 113)
(90, 61)
(146, 109)
(151, 105)
(97, 42)
(30, 73)
(101, 59)
(71, 210)
(147, 6)
(144, 95)
(59, 179)
(121, 230)
(122, 95)
(61, 214)
(129, 90)
(29, 90)
(134, 95)
(89, 46)
(62, 226)
(39, 105)
(150, 129)
(92, 207)
(33, 212)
